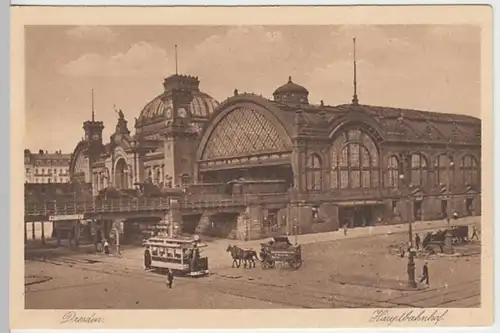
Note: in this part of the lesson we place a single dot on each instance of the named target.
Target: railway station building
(251, 167)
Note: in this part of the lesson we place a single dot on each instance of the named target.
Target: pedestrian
(425, 274)
(170, 278)
(455, 215)
(106, 246)
(345, 229)
(474, 233)
(147, 258)
(402, 250)
(417, 241)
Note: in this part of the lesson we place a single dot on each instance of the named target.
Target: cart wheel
(295, 264)
(271, 264)
(263, 264)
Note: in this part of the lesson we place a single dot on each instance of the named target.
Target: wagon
(281, 250)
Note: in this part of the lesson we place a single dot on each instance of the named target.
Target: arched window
(444, 170)
(469, 168)
(419, 170)
(355, 161)
(393, 172)
(313, 173)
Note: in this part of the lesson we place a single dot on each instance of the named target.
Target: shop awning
(359, 203)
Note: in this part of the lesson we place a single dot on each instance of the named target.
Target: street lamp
(449, 193)
(411, 263)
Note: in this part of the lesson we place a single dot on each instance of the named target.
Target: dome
(290, 87)
(291, 92)
(201, 106)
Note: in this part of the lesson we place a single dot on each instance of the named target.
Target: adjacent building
(252, 166)
(44, 167)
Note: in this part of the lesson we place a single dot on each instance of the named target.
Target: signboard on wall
(65, 217)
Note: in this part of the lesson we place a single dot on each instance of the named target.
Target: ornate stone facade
(252, 167)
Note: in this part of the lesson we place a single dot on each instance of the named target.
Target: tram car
(183, 256)
(280, 250)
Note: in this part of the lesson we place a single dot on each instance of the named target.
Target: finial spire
(176, 61)
(93, 110)
(355, 95)
(289, 79)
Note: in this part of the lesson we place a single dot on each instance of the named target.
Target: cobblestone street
(353, 271)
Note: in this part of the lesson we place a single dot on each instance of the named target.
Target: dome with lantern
(291, 92)
(201, 105)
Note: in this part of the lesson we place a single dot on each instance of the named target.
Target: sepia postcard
(251, 167)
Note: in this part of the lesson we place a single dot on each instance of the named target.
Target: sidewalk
(363, 232)
(216, 250)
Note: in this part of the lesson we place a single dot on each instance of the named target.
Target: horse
(238, 254)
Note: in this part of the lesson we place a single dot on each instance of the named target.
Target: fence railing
(107, 206)
(149, 204)
(212, 201)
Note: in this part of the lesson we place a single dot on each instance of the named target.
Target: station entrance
(359, 214)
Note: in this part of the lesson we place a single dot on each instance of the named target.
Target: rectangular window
(344, 179)
(354, 151)
(365, 180)
(333, 180)
(375, 178)
(355, 179)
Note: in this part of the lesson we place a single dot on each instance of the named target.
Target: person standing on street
(474, 233)
(425, 274)
(170, 278)
(147, 258)
(106, 246)
(417, 241)
(345, 229)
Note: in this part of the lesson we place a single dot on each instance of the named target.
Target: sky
(424, 67)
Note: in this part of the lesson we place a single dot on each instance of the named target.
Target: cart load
(280, 250)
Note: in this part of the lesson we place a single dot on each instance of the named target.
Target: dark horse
(238, 254)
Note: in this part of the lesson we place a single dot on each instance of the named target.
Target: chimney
(40, 151)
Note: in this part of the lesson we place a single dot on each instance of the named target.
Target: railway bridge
(216, 215)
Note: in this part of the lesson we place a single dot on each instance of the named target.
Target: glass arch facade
(354, 161)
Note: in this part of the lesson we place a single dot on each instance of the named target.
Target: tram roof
(174, 242)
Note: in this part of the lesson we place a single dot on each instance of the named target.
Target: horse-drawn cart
(281, 250)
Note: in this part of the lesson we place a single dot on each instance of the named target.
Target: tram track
(429, 296)
(252, 288)
(243, 288)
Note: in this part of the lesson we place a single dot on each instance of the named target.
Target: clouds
(140, 60)
(91, 33)
(394, 62)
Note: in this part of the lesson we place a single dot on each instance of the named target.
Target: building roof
(46, 157)
(415, 125)
(392, 123)
(290, 87)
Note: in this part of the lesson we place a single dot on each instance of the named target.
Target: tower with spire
(355, 100)
(179, 138)
(93, 132)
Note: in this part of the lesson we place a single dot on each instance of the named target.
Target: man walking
(474, 233)
(425, 274)
(170, 278)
